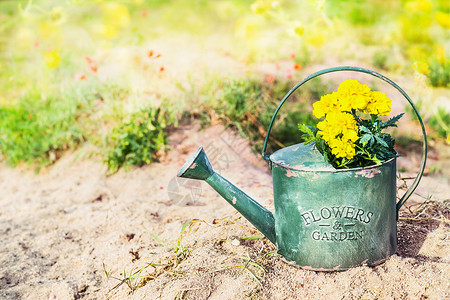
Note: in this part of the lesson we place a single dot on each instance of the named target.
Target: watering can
(325, 219)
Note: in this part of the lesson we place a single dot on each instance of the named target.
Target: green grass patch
(38, 127)
(440, 122)
(440, 73)
(137, 140)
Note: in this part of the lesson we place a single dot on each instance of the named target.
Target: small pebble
(235, 242)
(442, 236)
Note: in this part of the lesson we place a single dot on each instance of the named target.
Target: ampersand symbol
(337, 226)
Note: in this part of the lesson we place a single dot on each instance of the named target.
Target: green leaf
(383, 143)
(391, 122)
(365, 138)
(309, 136)
(363, 128)
(305, 129)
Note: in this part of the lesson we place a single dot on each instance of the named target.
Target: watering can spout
(198, 167)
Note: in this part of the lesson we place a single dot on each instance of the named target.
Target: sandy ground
(72, 232)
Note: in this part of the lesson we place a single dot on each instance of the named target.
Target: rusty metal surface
(335, 220)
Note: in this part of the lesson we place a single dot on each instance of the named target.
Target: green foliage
(355, 12)
(440, 73)
(137, 141)
(37, 127)
(440, 123)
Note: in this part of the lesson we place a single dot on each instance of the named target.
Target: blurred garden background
(115, 76)
(91, 88)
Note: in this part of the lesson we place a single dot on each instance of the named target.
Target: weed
(138, 140)
(439, 73)
(131, 279)
(251, 263)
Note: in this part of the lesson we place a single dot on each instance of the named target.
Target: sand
(72, 231)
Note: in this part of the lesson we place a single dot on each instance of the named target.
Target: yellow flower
(439, 52)
(443, 19)
(48, 30)
(342, 148)
(116, 16)
(421, 67)
(340, 131)
(350, 95)
(380, 104)
(419, 6)
(299, 30)
(52, 58)
(316, 39)
(327, 103)
(260, 7)
(353, 95)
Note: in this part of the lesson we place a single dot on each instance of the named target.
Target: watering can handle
(373, 73)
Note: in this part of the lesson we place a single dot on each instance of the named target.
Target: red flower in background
(92, 64)
(270, 79)
(143, 14)
(80, 76)
(297, 66)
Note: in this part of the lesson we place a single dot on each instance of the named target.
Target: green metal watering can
(325, 219)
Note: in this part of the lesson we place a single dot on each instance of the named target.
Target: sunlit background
(77, 72)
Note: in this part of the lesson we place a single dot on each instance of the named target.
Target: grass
(37, 127)
(138, 140)
(137, 278)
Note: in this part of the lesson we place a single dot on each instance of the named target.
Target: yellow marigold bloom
(341, 148)
(340, 131)
(350, 95)
(380, 104)
(353, 95)
(327, 103)
(443, 19)
(52, 58)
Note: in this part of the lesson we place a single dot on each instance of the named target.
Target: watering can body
(328, 219)
(325, 219)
